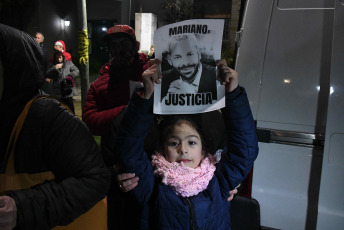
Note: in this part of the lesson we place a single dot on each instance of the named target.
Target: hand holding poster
(188, 51)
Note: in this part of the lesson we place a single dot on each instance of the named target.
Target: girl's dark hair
(210, 127)
(167, 123)
(57, 53)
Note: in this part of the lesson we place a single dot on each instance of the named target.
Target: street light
(67, 22)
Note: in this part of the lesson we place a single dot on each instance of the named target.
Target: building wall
(104, 10)
(236, 4)
(49, 22)
(45, 16)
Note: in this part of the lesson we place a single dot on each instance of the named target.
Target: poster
(188, 51)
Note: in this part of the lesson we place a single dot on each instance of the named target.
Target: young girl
(184, 186)
(61, 71)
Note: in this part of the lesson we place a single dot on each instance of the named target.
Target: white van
(290, 59)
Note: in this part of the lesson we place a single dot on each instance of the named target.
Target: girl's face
(184, 144)
(59, 58)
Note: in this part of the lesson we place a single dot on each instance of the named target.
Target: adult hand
(59, 66)
(227, 76)
(149, 77)
(151, 62)
(8, 213)
(232, 193)
(126, 181)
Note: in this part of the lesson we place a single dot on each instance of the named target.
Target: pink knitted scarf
(185, 181)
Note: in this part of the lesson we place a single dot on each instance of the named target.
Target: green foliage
(228, 54)
(95, 66)
(97, 139)
(17, 13)
(179, 10)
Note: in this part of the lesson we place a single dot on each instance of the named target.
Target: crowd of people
(51, 169)
(156, 172)
(61, 72)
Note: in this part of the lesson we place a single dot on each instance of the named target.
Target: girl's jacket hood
(24, 68)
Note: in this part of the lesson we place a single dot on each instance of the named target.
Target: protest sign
(188, 51)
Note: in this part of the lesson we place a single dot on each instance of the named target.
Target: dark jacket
(45, 52)
(207, 82)
(161, 207)
(52, 139)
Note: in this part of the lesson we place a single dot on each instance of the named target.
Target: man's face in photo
(185, 58)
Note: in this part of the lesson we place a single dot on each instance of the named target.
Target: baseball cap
(117, 29)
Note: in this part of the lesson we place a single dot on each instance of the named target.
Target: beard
(123, 68)
(188, 73)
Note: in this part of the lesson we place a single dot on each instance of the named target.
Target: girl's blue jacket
(160, 207)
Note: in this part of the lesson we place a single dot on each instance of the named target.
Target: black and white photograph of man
(188, 51)
(187, 70)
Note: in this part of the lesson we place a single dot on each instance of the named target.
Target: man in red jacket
(106, 98)
(110, 93)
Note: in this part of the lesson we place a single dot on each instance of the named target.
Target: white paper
(188, 51)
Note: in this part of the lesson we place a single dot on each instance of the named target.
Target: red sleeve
(98, 120)
(67, 56)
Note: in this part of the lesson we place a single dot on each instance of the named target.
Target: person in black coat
(52, 140)
(188, 74)
(40, 39)
(46, 87)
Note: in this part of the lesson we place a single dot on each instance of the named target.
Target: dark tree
(17, 13)
(179, 10)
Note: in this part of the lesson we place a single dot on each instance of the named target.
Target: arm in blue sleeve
(129, 144)
(242, 143)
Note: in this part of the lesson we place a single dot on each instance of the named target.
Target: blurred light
(67, 22)
(286, 81)
(104, 28)
(331, 89)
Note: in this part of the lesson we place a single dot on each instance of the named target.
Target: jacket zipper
(192, 214)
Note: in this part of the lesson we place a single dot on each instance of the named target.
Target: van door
(331, 199)
(284, 62)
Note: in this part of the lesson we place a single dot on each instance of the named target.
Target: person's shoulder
(46, 106)
(67, 56)
(67, 64)
(45, 50)
(105, 68)
(144, 57)
(101, 82)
